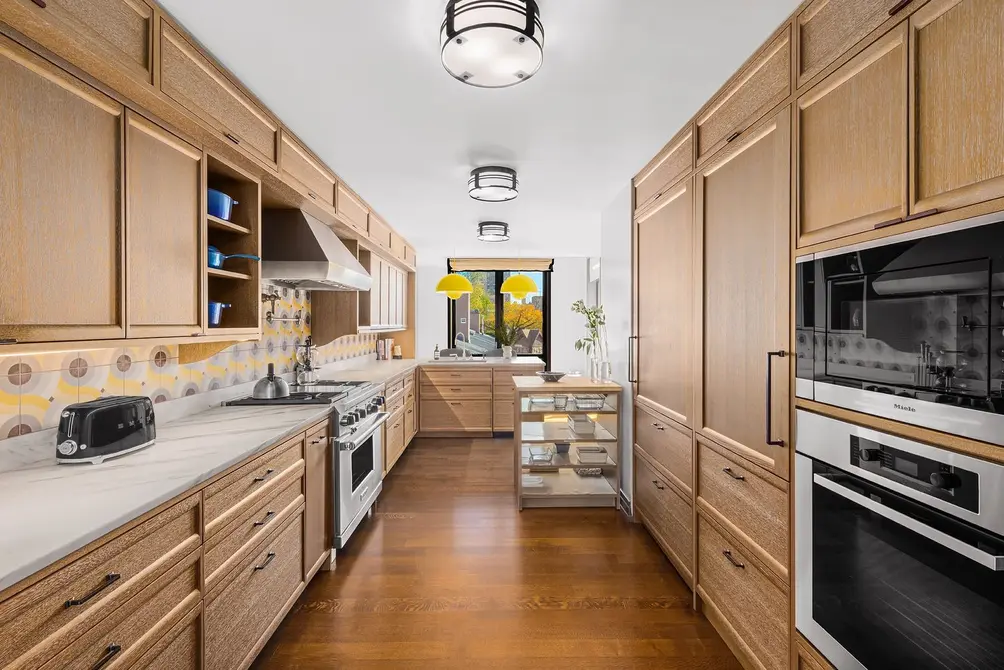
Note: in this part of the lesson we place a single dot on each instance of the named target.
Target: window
(473, 318)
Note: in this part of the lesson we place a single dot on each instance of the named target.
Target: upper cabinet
(164, 232)
(958, 83)
(302, 169)
(193, 81)
(852, 138)
(762, 85)
(350, 209)
(61, 265)
(675, 161)
(380, 232)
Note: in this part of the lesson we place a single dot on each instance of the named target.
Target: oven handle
(355, 442)
(995, 563)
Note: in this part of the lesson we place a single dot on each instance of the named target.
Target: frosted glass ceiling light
(492, 43)
(493, 184)
(493, 231)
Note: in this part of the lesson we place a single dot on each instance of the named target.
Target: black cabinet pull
(733, 136)
(898, 7)
(109, 655)
(264, 519)
(632, 378)
(658, 427)
(232, 138)
(886, 224)
(8, 340)
(110, 579)
(920, 215)
(317, 441)
(657, 485)
(268, 473)
(729, 472)
(770, 354)
(40, 3)
(728, 554)
(268, 559)
(314, 197)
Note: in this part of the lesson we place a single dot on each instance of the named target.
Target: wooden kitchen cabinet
(668, 513)
(61, 258)
(317, 484)
(852, 144)
(301, 168)
(672, 163)
(379, 232)
(180, 648)
(350, 209)
(191, 80)
(957, 77)
(395, 439)
(664, 279)
(164, 232)
(743, 206)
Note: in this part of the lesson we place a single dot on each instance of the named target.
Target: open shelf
(538, 409)
(216, 272)
(564, 461)
(540, 432)
(216, 223)
(567, 483)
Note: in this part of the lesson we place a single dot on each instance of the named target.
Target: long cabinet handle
(920, 215)
(110, 579)
(232, 138)
(886, 224)
(730, 473)
(40, 3)
(658, 485)
(268, 559)
(264, 519)
(659, 428)
(632, 378)
(109, 654)
(268, 473)
(781, 353)
(728, 554)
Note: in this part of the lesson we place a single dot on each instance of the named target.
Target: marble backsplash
(34, 388)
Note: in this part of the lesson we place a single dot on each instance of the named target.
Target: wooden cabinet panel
(503, 414)
(664, 272)
(668, 444)
(318, 491)
(410, 422)
(665, 170)
(457, 416)
(240, 613)
(187, 77)
(385, 309)
(350, 209)
(958, 77)
(180, 648)
(751, 603)
(397, 246)
(376, 274)
(668, 515)
(808, 657)
(853, 144)
(453, 376)
(119, 32)
(761, 86)
(395, 443)
(379, 231)
(298, 165)
(129, 632)
(61, 258)
(164, 232)
(457, 392)
(743, 203)
(36, 623)
(828, 29)
(746, 502)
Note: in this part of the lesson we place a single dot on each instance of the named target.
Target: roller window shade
(516, 264)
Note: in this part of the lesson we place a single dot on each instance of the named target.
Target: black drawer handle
(317, 441)
(658, 485)
(8, 340)
(110, 579)
(886, 224)
(268, 473)
(658, 427)
(729, 472)
(770, 354)
(312, 195)
(268, 559)
(732, 137)
(728, 554)
(898, 7)
(40, 3)
(264, 519)
(232, 138)
(110, 653)
(920, 215)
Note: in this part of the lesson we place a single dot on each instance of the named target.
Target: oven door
(359, 477)
(883, 581)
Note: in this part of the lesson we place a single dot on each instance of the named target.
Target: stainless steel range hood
(299, 251)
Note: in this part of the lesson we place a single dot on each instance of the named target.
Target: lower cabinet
(410, 422)
(319, 499)
(440, 415)
(808, 657)
(667, 512)
(180, 648)
(395, 439)
(242, 613)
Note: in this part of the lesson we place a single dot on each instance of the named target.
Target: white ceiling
(360, 81)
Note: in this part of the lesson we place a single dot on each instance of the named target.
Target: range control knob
(347, 420)
(360, 414)
(380, 400)
(945, 480)
(871, 455)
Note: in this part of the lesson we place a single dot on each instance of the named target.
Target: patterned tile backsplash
(34, 388)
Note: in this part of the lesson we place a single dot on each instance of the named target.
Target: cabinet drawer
(455, 377)
(33, 623)
(302, 168)
(396, 404)
(744, 501)
(231, 495)
(503, 415)
(761, 86)
(667, 443)
(745, 596)
(456, 392)
(395, 386)
(395, 438)
(180, 648)
(191, 80)
(667, 514)
(503, 378)
(456, 415)
(350, 208)
(667, 168)
(409, 389)
(131, 630)
(241, 611)
(227, 548)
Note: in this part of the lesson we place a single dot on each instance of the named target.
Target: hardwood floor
(448, 574)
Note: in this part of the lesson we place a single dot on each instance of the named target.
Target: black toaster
(90, 432)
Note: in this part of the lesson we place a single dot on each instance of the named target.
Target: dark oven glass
(920, 319)
(362, 463)
(893, 597)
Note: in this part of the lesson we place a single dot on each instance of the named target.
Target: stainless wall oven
(909, 328)
(899, 550)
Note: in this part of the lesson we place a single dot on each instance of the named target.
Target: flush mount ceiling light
(492, 43)
(493, 231)
(493, 184)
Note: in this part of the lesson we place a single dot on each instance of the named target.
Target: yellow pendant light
(454, 286)
(519, 286)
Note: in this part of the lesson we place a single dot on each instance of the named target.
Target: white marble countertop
(52, 510)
